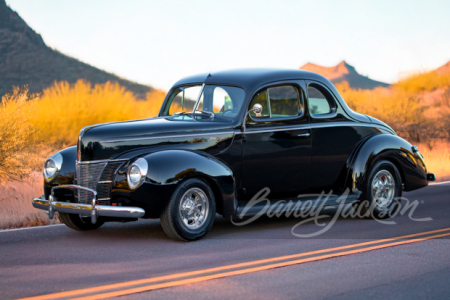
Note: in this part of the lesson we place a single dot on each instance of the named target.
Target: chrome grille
(88, 175)
(99, 177)
(105, 183)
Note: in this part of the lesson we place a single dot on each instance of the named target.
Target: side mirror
(257, 109)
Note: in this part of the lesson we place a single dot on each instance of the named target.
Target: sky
(158, 42)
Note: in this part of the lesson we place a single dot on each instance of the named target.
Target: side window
(317, 102)
(278, 102)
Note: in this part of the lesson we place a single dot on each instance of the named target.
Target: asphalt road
(53, 259)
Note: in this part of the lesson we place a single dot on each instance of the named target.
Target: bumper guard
(51, 205)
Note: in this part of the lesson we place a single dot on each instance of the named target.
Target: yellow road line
(251, 270)
(237, 272)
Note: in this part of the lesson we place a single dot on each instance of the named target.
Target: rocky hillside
(26, 60)
(344, 72)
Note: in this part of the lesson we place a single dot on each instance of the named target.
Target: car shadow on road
(329, 224)
(262, 228)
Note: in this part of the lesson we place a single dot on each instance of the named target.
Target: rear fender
(389, 147)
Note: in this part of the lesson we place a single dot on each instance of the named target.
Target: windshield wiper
(181, 113)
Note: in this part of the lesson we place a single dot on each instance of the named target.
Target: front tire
(190, 213)
(75, 222)
(382, 193)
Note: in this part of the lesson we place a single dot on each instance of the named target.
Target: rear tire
(381, 195)
(75, 222)
(190, 213)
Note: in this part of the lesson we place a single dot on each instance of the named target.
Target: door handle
(304, 134)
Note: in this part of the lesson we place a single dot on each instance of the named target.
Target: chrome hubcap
(383, 188)
(194, 207)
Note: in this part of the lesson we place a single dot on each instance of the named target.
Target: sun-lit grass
(17, 134)
(34, 126)
(437, 159)
(64, 109)
(420, 82)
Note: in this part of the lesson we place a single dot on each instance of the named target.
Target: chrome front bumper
(92, 209)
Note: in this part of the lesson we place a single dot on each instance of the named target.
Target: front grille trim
(88, 175)
(99, 177)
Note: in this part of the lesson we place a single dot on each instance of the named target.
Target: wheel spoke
(193, 208)
(383, 188)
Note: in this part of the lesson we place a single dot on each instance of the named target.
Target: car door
(334, 136)
(277, 144)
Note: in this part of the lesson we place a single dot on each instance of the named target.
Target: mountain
(344, 72)
(25, 59)
(444, 70)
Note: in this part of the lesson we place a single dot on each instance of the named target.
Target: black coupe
(218, 140)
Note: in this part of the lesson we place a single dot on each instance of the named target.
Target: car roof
(251, 78)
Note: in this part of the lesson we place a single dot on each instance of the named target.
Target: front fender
(65, 176)
(167, 168)
(389, 147)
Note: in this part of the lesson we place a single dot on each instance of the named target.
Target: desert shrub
(18, 135)
(404, 108)
(33, 126)
(422, 82)
(64, 109)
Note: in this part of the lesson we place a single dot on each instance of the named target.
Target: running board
(281, 206)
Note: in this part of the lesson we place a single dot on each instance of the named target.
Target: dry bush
(16, 209)
(17, 134)
(403, 106)
(437, 159)
(32, 127)
(151, 106)
(422, 82)
(64, 109)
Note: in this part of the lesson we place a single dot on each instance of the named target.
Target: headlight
(52, 166)
(137, 173)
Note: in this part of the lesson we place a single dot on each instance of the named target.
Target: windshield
(208, 101)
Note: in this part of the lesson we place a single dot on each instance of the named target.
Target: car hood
(111, 140)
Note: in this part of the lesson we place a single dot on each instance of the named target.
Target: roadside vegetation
(34, 126)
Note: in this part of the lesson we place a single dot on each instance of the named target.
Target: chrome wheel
(194, 208)
(383, 188)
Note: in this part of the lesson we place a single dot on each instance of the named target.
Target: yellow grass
(437, 159)
(17, 135)
(423, 82)
(64, 109)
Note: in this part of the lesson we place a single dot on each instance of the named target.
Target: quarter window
(278, 102)
(317, 102)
